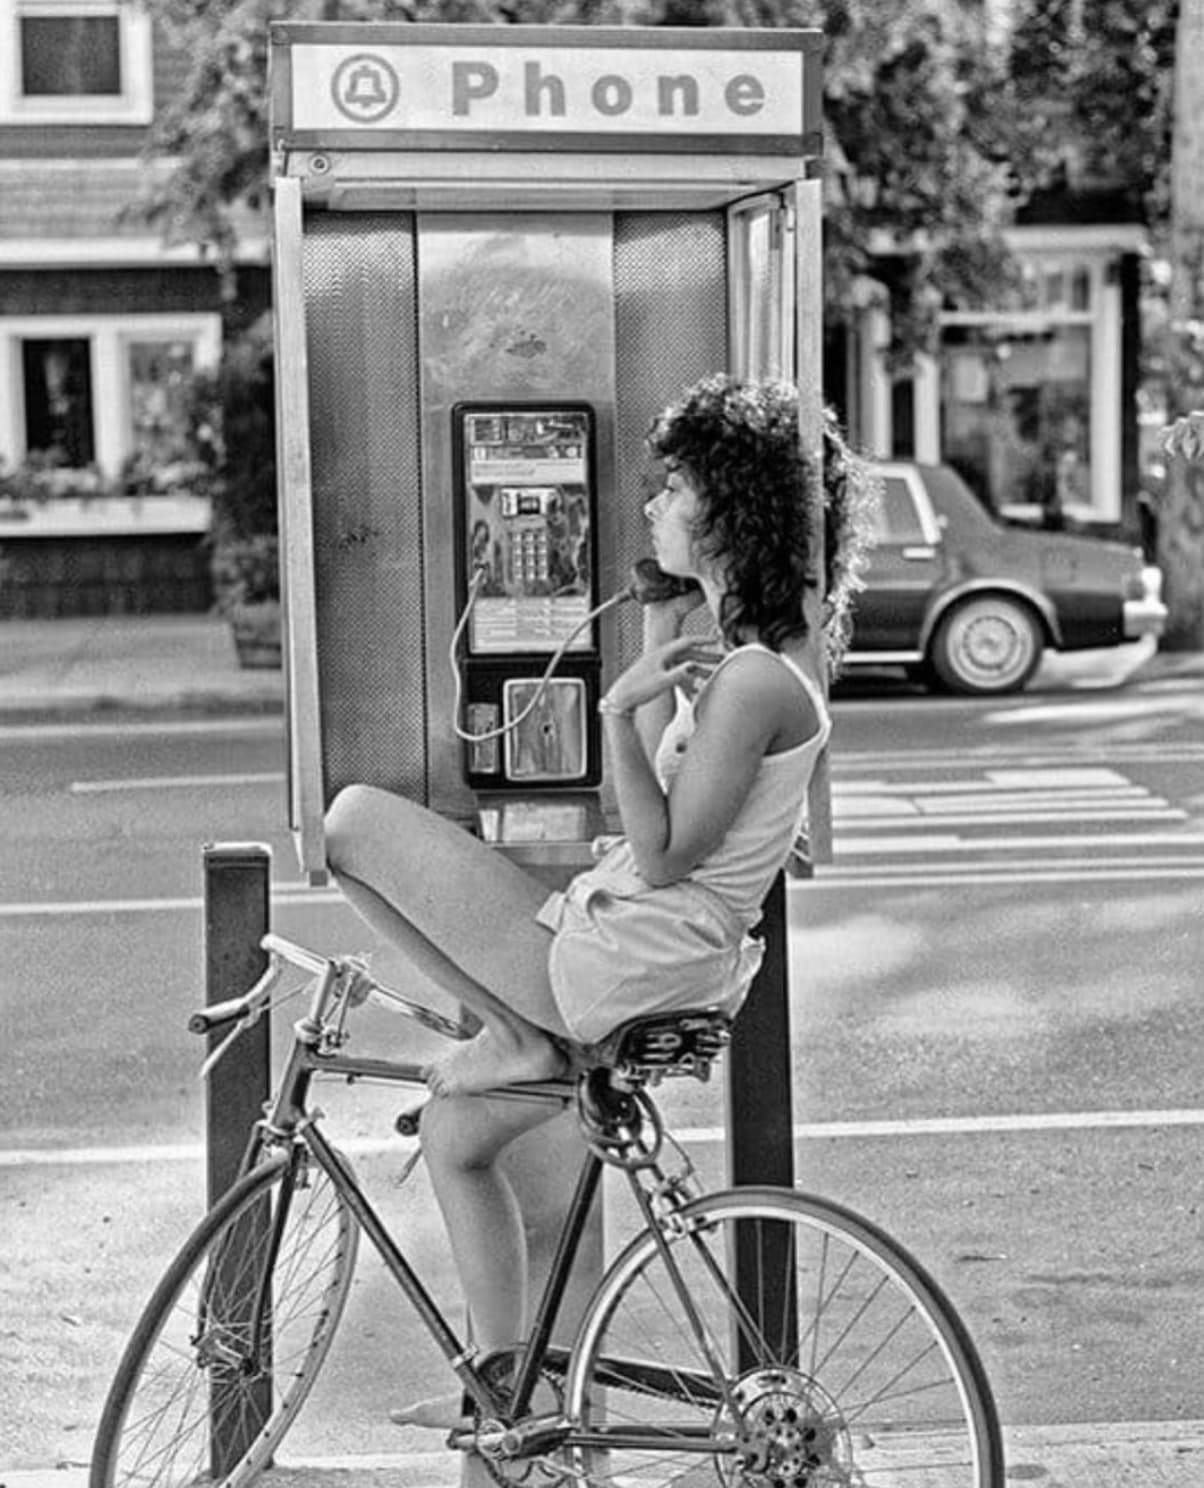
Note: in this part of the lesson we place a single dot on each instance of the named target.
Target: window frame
(928, 523)
(109, 337)
(135, 102)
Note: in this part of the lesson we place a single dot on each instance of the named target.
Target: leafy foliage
(233, 431)
(920, 121)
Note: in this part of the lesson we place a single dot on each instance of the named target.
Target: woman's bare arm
(671, 834)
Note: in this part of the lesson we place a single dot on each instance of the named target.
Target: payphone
(525, 498)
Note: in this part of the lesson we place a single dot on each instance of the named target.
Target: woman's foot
(439, 1413)
(494, 1059)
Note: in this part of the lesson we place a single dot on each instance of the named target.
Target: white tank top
(758, 842)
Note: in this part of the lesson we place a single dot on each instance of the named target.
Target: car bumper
(1146, 616)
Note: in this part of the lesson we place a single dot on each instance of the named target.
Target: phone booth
(499, 252)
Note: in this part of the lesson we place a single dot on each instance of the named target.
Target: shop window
(1016, 414)
(75, 60)
(58, 400)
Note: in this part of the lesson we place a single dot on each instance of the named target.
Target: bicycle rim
(796, 1346)
(190, 1402)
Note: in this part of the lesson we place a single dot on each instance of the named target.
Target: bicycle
(754, 1336)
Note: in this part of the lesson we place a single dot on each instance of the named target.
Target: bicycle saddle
(685, 1043)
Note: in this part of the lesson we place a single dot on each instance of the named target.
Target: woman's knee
(455, 1137)
(349, 819)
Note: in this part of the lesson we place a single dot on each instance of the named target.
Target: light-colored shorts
(624, 949)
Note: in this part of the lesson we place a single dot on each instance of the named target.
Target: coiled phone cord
(478, 578)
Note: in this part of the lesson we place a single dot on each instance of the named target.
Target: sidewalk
(128, 664)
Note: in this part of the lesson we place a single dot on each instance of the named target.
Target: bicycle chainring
(524, 1472)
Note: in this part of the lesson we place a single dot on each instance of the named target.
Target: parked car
(968, 603)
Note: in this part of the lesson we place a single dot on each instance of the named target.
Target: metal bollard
(760, 1094)
(761, 1136)
(237, 916)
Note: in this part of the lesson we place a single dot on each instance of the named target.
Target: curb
(33, 707)
(1169, 1453)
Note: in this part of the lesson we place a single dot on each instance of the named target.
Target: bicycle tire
(841, 1362)
(187, 1403)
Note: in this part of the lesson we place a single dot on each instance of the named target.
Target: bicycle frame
(288, 1120)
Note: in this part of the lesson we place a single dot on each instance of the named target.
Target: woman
(711, 749)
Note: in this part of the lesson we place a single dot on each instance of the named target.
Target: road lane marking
(852, 845)
(853, 790)
(1069, 795)
(1147, 812)
(807, 1131)
(847, 761)
(174, 782)
(299, 895)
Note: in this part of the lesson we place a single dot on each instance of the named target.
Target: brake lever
(215, 1055)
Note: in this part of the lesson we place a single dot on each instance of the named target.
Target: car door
(906, 566)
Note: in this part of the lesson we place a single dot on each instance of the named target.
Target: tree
(1181, 519)
(921, 122)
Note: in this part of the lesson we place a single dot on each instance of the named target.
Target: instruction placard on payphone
(526, 539)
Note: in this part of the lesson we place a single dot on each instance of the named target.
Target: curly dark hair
(738, 441)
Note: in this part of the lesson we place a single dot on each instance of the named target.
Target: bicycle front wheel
(771, 1339)
(230, 1343)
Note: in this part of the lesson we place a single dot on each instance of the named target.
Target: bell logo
(365, 88)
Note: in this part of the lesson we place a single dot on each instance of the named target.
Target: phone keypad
(529, 555)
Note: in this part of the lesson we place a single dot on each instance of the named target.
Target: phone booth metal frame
(602, 214)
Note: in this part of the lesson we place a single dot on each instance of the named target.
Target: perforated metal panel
(670, 281)
(360, 295)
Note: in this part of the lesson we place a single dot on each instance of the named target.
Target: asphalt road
(996, 1021)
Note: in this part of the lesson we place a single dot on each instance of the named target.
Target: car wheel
(989, 644)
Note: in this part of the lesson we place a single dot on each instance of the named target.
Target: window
(76, 54)
(100, 390)
(75, 60)
(1016, 412)
(159, 373)
(57, 377)
(897, 520)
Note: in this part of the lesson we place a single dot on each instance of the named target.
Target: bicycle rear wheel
(204, 1391)
(791, 1344)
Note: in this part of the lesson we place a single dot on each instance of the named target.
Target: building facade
(101, 322)
(1034, 402)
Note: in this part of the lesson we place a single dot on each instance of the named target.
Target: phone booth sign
(500, 251)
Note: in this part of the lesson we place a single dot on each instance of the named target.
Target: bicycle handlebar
(251, 1003)
(247, 1008)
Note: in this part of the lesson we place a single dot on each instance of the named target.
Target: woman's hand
(664, 620)
(683, 662)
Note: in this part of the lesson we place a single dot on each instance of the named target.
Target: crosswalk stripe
(1071, 796)
(852, 845)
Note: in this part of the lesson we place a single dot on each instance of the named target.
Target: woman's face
(672, 516)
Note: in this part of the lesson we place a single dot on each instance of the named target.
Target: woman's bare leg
(464, 916)
(462, 1138)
